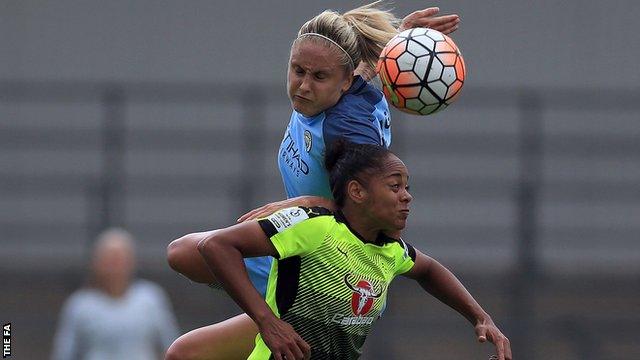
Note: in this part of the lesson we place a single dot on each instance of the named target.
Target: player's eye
(298, 70)
(321, 76)
(395, 187)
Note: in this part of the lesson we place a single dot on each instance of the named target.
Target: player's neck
(365, 228)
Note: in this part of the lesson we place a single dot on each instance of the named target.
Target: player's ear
(356, 192)
(346, 86)
(347, 82)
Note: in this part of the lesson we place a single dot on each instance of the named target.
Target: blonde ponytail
(375, 27)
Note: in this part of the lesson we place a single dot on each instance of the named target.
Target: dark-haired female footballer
(329, 283)
(329, 101)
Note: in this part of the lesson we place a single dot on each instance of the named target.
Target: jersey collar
(357, 84)
(380, 240)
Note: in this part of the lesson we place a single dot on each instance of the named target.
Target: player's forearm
(442, 284)
(226, 263)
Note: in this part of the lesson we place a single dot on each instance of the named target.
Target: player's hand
(269, 209)
(486, 330)
(427, 18)
(283, 341)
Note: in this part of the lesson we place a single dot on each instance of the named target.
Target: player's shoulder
(408, 251)
(296, 214)
(398, 246)
(316, 211)
(364, 92)
(354, 118)
(289, 217)
(360, 99)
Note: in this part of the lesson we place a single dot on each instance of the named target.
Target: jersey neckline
(381, 240)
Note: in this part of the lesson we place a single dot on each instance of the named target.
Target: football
(422, 71)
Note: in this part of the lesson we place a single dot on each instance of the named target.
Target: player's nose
(305, 83)
(406, 196)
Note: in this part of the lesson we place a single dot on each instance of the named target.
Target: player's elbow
(182, 253)
(183, 256)
(177, 252)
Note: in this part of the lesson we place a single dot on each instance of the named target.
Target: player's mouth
(302, 98)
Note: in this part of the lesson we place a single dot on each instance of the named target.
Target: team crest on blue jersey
(307, 140)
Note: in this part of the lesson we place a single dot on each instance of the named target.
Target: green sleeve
(293, 232)
(406, 257)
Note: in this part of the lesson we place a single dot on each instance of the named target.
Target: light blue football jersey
(361, 116)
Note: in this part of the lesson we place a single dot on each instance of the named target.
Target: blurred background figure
(116, 316)
(164, 117)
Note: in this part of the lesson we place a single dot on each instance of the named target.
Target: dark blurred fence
(559, 169)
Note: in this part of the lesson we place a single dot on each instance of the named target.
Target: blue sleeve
(358, 125)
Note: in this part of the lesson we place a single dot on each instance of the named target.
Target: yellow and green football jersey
(327, 282)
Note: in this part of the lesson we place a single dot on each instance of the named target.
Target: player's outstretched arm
(305, 200)
(223, 251)
(446, 24)
(441, 283)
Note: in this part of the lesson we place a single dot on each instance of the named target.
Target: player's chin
(400, 224)
(302, 108)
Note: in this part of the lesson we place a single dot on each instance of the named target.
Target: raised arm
(442, 284)
(427, 18)
(223, 251)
